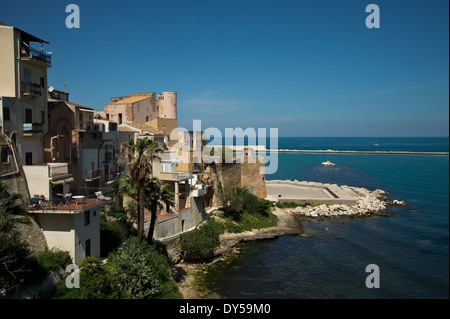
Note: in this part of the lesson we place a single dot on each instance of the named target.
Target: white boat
(328, 163)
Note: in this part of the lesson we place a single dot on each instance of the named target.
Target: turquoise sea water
(411, 247)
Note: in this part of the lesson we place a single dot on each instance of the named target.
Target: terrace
(35, 55)
(65, 205)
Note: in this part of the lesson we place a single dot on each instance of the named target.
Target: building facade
(157, 110)
(23, 92)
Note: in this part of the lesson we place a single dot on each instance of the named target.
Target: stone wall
(253, 177)
(250, 175)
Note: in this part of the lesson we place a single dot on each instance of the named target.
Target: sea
(405, 254)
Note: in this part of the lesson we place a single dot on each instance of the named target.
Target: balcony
(197, 167)
(175, 176)
(198, 190)
(40, 178)
(30, 128)
(93, 175)
(31, 89)
(35, 56)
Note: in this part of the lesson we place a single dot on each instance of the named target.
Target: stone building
(248, 172)
(160, 111)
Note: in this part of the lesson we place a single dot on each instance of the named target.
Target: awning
(86, 110)
(93, 178)
(61, 181)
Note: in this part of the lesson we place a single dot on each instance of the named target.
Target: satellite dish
(50, 89)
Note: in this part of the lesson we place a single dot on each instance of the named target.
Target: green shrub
(237, 200)
(287, 205)
(52, 259)
(250, 221)
(142, 271)
(96, 282)
(199, 245)
(117, 212)
(110, 235)
(135, 271)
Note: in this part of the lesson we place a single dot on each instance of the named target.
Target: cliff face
(32, 234)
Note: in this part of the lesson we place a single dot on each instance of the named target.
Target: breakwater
(357, 152)
(262, 149)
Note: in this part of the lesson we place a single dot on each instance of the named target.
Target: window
(28, 116)
(6, 115)
(87, 245)
(28, 158)
(87, 218)
(26, 75)
(4, 154)
(107, 117)
(120, 118)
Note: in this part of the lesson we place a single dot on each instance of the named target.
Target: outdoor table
(78, 199)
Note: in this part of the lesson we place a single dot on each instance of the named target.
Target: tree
(140, 156)
(142, 271)
(158, 194)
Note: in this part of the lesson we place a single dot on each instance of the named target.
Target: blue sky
(309, 68)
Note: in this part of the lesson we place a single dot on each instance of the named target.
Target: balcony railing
(176, 176)
(33, 128)
(29, 88)
(94, 174)
(35, 54)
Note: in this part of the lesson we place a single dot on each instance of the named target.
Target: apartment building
(23, 92)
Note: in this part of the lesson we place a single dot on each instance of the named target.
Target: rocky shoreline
(369, 203)
(288, 225)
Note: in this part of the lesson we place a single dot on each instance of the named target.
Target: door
(28, 116)
(28, 158)
(88, 247)
(106, 173)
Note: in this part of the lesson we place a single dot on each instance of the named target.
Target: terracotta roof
(77, 106)
(126, 129)
(131, 99)
(140, 128)
(145, 127)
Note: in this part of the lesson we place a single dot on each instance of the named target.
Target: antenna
(65, 86)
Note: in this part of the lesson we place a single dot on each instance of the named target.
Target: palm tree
(158, 195)
(139, 156)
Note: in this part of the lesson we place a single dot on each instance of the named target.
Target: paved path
(310, 192)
